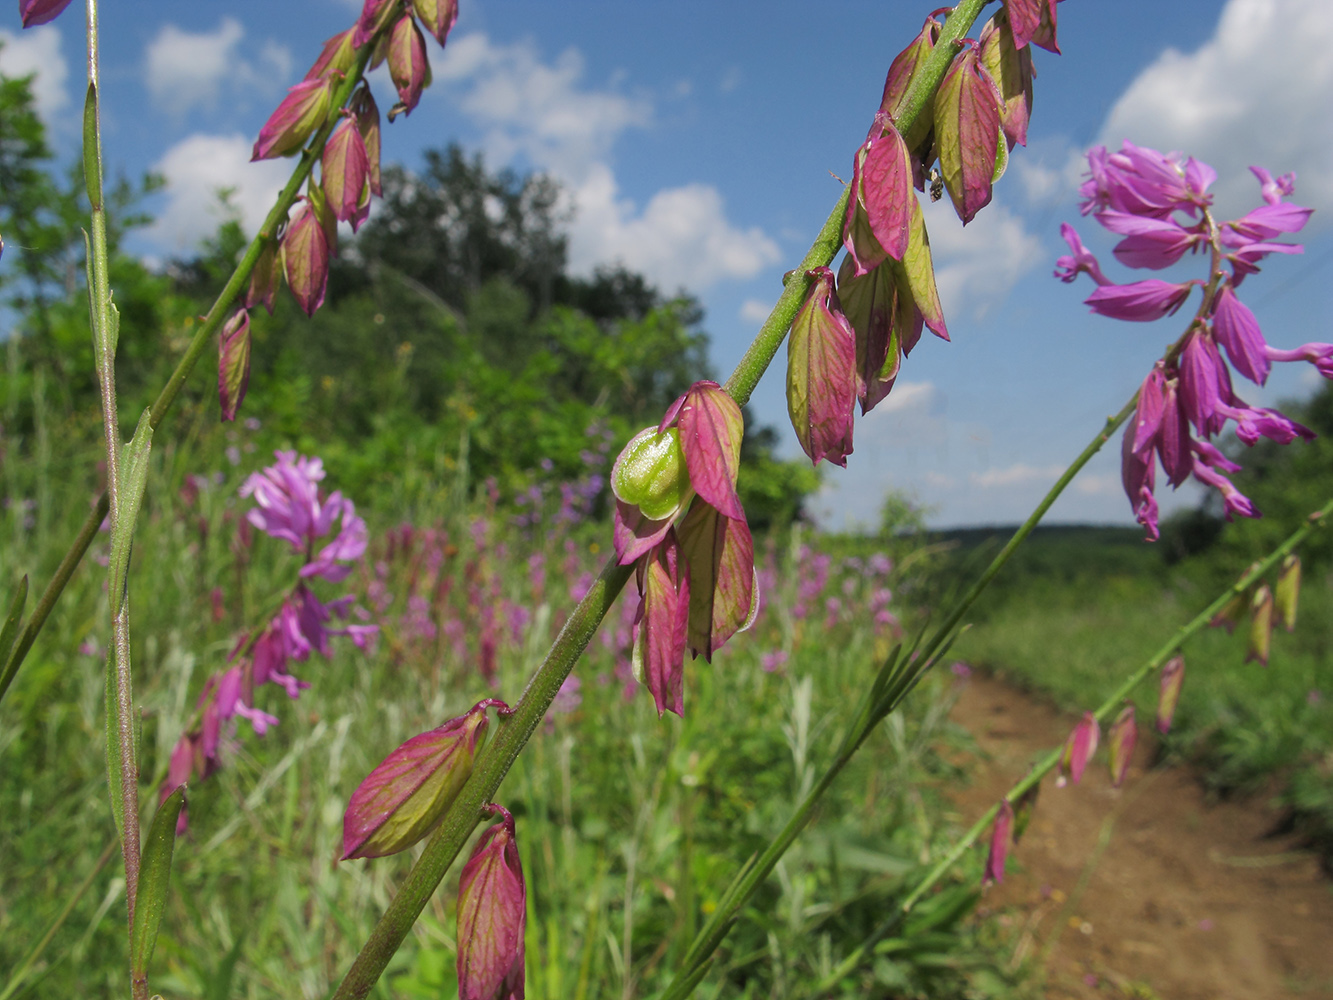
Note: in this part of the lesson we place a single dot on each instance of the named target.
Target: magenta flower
(1173, 676)
(1140, 301)
(301, 113)
(821, 373)
(1079, 748)
(1238, 332)
(290, 507)
(35, 12)
(1000, 839)
(1150, 242)
(1144, 182)
(492, 916)
(1081, 261)
(402, 799)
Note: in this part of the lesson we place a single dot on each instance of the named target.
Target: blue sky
(696, 141)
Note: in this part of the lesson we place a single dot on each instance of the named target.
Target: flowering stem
(198, 344)
(1315, 521)
(501, 752)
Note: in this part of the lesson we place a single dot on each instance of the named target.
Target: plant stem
(203, 337)
(503, 750)
(1116, 698)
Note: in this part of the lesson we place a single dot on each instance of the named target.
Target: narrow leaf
(154, 879)
(134, 477)
(92, 166)
(113, 759)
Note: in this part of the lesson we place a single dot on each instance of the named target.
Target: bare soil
(1151, 890)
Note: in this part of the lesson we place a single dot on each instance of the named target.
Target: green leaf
(154, 877)
(92, 161)
(113, 760)
(10, 630)
(133, 478)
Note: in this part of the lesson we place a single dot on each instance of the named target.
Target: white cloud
(1018, 474)
(976, 266)
(1258, 91)
(546, 114)
(196, 169)
(917, 396)
(37, 50)
(184, 70)
(755, 311)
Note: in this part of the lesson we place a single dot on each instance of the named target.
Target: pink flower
(1000, 840)
(35, 12)
(1149, 242)
(1140, 301)
(1080, 261)
(1079, 748)
(1144, 182)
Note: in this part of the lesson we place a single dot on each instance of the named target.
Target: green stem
(500, 753)
(1116, 698)
(202, 339)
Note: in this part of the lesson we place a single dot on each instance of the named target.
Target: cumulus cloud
(976, 266)
(545, 113)
(185, 70)
(197, 170)
(37, 50)
(1256, 92)
(755, 311)
(1018, 474)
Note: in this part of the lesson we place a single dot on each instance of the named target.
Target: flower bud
(492, 916)
(1000, 840)
(35, 12)
(1173, 676)
(344, 174)
(821, 374)
(408, 65)
(1261, 625)
(233, 363)
(1288, 591)
(405, 796)
(1231, 613)
(296, 119)
(438, 16)
(305, 257)
(1120, 744)
(1079, 748)
(265, 278)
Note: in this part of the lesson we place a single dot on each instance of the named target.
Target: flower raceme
(1161, 207)
(697, 581)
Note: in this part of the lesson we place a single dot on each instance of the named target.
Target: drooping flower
(336, 57)
(367, 114)
(659, 637)
(305, 255)
(409, 67)
(1000, 839)
(1173, 677)
(879, 210)
(301, 113)
(1287, 591)
(375, 15)
(266, 277)
(439, 16)
(345, 174)
(905, 64)
(402, 799)
(233, 363)
(821, 373)
(967, 132)
(1034, 22)
(492, 916)
(1261, 625)
(1011, 68)
(1079, 748)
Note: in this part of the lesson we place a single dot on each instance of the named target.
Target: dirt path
(1149, 891)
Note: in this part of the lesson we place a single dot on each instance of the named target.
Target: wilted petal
(406, 794)
(711, 427)
(821, 374)
(301, 112)
(1261, 625)
(660, 632)
(1079, 748)
(233, 363)
(1287, 592)
(1140, 301)
(409, 66)
(492, 915)
(967, 131)
(634, 534)
(1011, 69)
(1000, 839)
(305, 256)
(1033, 21)
(1120, 739)
(723, 593)
(1173, 676)
(438, 16)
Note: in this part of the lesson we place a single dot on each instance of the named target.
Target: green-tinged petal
(719, 553)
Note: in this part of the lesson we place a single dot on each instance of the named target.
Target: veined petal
(821, 374)
(233, 363)
(711, 427)
(492, 916)
(1140, 301)
(720, 556)
(660, 633)
(886, 191)
(915, 276)
(967, 131)
(1011, 69)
